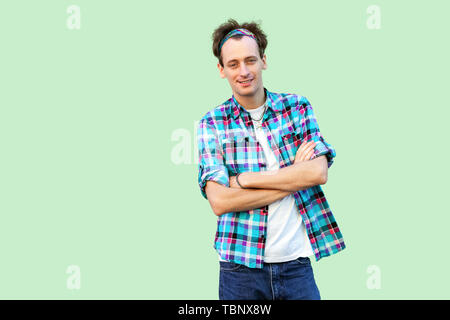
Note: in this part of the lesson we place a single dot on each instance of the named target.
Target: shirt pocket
(241, 154)
(289, 142)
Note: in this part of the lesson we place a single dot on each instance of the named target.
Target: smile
(246, 83)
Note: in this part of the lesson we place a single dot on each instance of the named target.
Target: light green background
(86, 122)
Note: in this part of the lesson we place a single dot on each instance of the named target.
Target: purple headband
(241, 31)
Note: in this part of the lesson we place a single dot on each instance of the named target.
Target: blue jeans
(291, 280)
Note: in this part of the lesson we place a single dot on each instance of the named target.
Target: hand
(305, 151)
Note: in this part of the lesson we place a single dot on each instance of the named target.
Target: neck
(252, 102)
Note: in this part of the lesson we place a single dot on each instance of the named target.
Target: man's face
(242, 62)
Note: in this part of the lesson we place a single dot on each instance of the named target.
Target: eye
(234, 65)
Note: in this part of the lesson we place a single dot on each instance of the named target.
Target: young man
(262, 160)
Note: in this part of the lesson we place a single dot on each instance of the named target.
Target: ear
(222, 74)
(264, 62)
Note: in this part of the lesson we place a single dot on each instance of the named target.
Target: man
(262, 160)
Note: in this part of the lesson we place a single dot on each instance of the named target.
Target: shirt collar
(271, 101)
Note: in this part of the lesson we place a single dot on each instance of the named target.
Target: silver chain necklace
(258, 125)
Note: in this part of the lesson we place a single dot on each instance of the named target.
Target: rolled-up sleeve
(210, 161)
(310, 130)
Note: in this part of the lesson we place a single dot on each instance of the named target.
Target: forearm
(301, 175)
(237, 199)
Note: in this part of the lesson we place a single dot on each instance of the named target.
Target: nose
(243, 71)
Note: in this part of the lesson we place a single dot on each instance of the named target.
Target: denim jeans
(291, 280)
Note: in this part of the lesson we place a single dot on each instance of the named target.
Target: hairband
(241, 31)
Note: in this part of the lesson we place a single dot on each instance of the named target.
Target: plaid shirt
(228, 145)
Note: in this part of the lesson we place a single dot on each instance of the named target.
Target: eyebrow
(233, 60)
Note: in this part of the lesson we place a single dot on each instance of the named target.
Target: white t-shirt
(286, 233)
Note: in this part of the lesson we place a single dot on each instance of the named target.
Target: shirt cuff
(214, 174)
(323, 148)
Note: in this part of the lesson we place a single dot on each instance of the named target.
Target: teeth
(245, 81)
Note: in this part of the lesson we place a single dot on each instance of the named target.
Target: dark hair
(224, 28)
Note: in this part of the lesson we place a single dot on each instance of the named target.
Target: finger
(306, 153)
(304, 146)
(306, 156)
(310, 147)
(302, 152)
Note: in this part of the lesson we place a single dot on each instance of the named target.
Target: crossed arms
(266, 186)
